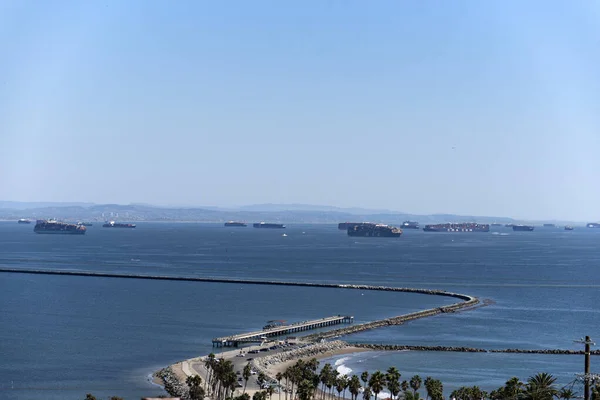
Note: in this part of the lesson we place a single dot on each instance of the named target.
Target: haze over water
(65, 336)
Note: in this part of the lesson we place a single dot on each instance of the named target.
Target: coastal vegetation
(304, 381)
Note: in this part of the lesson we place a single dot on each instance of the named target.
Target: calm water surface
(62, 337)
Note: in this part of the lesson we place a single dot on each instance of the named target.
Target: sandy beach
(271, 363)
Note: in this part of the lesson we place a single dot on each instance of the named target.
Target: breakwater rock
(399, 320)
(432, 292)
(306, 351)
(394, 347)
(545, 351)
(172, 384)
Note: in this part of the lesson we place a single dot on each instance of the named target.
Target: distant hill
(310, 207)
(285, 213)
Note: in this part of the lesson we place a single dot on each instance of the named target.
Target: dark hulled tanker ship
(268, 225)
(410, 225)
(374, 230)
(235, 223)
(522, 228)
(55, 227)
(461, 227)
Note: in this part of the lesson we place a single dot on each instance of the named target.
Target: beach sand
(272, 370)
(195, 366)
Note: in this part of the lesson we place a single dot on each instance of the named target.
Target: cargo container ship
(235, 223)
(113, 224)
(496, 224)
(461, 227)
(410, 225)
(522, 228)
(343, 226)
(569, 228)
(55, 227)
(24, 221)
(593, 225)
(374, 230)
(268, 225)
(84, 223)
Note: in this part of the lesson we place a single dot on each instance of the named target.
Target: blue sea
(62, 337)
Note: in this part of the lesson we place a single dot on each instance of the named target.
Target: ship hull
(593, 225)
(459, 227)
(517, 228)
(455, 230)
(47, 232)
(236, 224)
(51, 227)
(374, 234)
(373, 230)
(268, 226)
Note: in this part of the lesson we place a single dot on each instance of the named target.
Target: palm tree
(367, 393)
(246, 373)
(566, 394)
(279, 377)
(513, 388)
(331, 381)
(415, 383)
(341, 383)
(270, 391)
(541, 387)
(377, 383)
(404, 386)
(354, 387)
(393, 381)
(365, 378)
(324, 377)
(435, 389)
(196, 391)
(208, 363)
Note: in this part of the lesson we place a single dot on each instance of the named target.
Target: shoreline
(272, 364)
(172, 378)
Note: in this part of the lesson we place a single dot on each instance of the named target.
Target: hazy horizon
(470, 108)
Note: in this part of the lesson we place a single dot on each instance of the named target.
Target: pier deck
(258, 336)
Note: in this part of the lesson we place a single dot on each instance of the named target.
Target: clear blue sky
(474, 107)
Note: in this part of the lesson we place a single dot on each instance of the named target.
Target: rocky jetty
(172, 384)
(395, 347)
(306, 351)
(546, 351)
(399, 320)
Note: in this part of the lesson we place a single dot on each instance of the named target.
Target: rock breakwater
(399, 320)
(172, 384)
(395, 347)
(307, 351)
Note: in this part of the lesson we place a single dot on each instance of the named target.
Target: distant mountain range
(285, 213)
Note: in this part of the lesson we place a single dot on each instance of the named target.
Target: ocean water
(62, 337)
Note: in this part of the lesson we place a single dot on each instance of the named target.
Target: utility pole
(587, 376)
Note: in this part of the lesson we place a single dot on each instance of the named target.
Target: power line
(587, 376)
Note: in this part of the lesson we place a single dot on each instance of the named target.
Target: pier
(259, 336)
